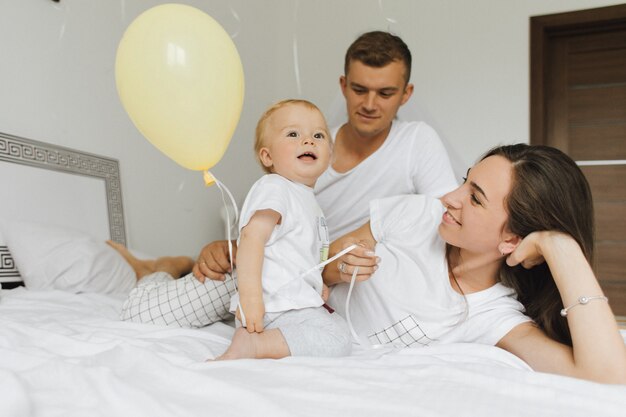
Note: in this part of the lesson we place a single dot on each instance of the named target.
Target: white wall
(57, 85)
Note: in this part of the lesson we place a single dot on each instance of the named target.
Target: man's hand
(213, 261)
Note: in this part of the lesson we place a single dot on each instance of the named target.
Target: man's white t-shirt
(296, 245)
(409, 300)
(412, 160)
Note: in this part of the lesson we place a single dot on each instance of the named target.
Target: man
(374, 155)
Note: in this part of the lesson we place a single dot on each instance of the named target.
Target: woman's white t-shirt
(297, 244)
(409, 300)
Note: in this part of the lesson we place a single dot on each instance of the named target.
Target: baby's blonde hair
(260, 126)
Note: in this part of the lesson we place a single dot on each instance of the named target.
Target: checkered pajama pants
(184, 302)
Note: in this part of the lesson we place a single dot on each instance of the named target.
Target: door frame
(542, 29)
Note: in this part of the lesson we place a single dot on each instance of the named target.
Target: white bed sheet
(64, 354)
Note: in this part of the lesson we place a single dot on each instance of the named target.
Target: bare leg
(269, 344)
(176, 266)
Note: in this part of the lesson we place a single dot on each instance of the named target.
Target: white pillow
(51, 257)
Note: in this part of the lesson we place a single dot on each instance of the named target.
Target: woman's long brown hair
(549, 192)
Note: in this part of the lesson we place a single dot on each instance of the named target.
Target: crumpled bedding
(64, 354)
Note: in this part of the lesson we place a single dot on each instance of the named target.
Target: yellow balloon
(180, 79)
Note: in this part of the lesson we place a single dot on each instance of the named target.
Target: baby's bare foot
(269, 344)
(242, 346)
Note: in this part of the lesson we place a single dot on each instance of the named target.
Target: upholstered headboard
(57, 185)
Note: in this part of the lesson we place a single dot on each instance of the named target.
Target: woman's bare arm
(598, 352)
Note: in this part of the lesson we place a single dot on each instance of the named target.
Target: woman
(523, 219)
(453, 270)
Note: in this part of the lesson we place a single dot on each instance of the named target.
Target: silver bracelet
(582, 301)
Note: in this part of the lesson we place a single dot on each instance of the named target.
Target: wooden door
(578, 104)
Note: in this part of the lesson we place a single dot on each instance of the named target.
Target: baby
(283, 236)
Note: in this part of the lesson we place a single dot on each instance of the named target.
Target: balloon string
(362, 341)
(390, 21)
(296, 59)
(327, 261)
(209, 179)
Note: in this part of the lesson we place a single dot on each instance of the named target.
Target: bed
(64, 351)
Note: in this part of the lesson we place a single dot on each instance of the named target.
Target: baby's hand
(325, 292)
(254, 311)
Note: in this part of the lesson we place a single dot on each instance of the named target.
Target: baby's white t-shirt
(296, 245)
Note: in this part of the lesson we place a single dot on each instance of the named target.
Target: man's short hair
(377, 49)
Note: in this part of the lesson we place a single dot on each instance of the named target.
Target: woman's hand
(362, 257)
(530, 252)
(214, 261)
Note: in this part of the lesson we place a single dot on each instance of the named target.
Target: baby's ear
(509, 244)
(265, 157)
